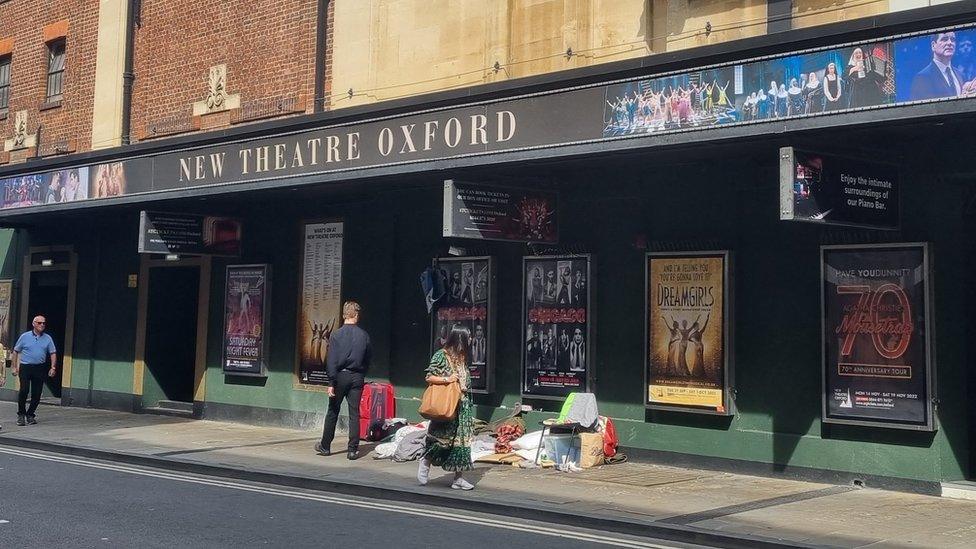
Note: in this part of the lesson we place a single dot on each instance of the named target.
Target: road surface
(52, 500)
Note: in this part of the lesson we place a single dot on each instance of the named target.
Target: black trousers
(32, 378)
(349, 386)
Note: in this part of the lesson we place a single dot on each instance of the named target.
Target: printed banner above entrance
(834, 190)
(874, 74)
(877, 336)
(188, 234)
(498, 213)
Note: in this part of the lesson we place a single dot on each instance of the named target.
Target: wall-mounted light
(708, 28)
(569, 53)
(47, 262)
(172, 257)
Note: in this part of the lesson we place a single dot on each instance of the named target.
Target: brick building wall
(23, 26)
(268, 49)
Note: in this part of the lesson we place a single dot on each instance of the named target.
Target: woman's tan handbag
(440, 402)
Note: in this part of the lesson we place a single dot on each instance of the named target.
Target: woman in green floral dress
(449, 442)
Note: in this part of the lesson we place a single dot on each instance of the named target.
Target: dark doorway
(171, 331)
(49, 297)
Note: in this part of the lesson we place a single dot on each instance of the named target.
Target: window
(55, 70)
(4, 83)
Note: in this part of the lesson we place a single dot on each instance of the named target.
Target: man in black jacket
(346, 365)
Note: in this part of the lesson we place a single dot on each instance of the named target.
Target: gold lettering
(184, 169)
(430, 131)
(261, 158)
(407, 139)
(479, 130)
(332, 149)
(452, 133)
(217, 164)
(352, 147)
(245, 155)
(279, 156)
(313, 145)
(386, 141)
(296, 159)
(502, 117)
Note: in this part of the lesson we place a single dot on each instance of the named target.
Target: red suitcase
(377, 405)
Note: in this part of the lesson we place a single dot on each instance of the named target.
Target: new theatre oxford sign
(371, 144)
(891, 72)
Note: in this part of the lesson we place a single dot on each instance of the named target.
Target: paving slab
(797, 512)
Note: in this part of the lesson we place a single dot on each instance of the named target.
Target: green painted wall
(607, 206)
(777, 315)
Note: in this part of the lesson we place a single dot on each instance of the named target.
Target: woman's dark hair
(458, 344)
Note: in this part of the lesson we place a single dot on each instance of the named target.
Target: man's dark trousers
(348, 385)
(31, 379)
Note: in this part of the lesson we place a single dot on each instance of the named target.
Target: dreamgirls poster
(687, 303)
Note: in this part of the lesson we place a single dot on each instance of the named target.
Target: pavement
(680, 504)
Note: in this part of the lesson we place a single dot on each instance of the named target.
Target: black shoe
(321, 451)
(31, 420)
(21, 420)
(353, 454)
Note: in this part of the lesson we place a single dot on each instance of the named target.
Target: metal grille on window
(4, 83)
(55, 70)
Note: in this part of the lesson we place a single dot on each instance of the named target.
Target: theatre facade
(756, 254)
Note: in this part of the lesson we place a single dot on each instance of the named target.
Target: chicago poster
(557, 322)
(468, 302)
(687, 341)
(877, 364)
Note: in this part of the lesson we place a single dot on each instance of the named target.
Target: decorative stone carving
(21, 139)
(20, 130)
(218, 100)
(217, 88)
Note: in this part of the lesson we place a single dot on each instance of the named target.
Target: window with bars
(4, 83)
(55, 70)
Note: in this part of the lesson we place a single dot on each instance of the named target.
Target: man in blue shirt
(30, 357)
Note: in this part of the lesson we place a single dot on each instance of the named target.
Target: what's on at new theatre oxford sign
(884, 72)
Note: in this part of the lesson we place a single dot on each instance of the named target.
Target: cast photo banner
(487, 212)
(834, 190)
(687, 346)
(320, 299)
(246, 307)
(558, 325)
(931, 65)
(877, 349)
(469, 302)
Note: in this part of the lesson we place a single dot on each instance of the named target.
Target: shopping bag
(591, 449)
(440, 402)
